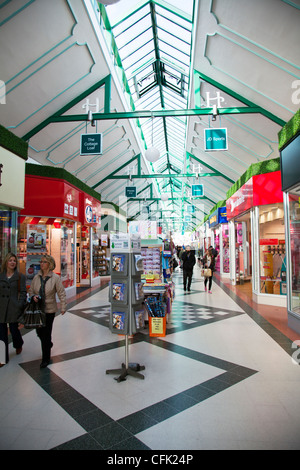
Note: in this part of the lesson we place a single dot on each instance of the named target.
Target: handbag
(207, 272)
(33, 316)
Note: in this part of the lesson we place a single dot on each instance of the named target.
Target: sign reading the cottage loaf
(91, 144)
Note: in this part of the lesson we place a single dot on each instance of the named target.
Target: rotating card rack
(126, 296)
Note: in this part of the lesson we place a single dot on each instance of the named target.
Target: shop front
(47, 224)
(220, 239)
(88, 242)
(289, 142)
(257, 237)
(13, 155)
(62, 220)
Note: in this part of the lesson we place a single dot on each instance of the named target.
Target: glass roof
(153, 38)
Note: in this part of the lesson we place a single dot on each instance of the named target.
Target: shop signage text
(91, 144)
(215, 139)
(197, 189)
(219, 216)
(130, 191)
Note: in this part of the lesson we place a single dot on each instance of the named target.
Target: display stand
(125, 295)
(157, 284)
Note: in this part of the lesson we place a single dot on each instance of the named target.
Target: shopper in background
(209, 262)
(47, 284)
(12, 302)
(188, 262)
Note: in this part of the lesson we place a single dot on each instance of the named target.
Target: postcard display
(126, 296)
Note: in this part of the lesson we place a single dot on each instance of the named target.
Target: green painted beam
(112, 176)
(137, 199)
(228, 91)
(161, 113)
(209, 167)
(106, 82)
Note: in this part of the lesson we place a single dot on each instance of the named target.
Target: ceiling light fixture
(152, 153)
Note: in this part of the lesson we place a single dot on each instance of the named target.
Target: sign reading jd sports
(215, 139)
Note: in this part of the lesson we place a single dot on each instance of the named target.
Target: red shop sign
(240, 201)
(268, 241)
(267, 189)
(90, 211)
(260, 190)
(50, 197)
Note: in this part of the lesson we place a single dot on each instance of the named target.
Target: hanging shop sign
(215, 139)
(197, 189)
(191, 209)
(91, 144)
(130, 191)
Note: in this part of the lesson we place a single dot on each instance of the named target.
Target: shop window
(225, 239)
(52, 236)
(7, 231)
(272, 249)
(67, 254)
(294, 222)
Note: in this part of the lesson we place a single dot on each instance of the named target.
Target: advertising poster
(32, 266)
(118, 291)
(36, 238)
(118, 320)
(118, 263)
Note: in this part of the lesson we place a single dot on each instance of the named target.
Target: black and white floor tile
(218, 374)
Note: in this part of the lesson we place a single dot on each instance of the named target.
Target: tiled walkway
(222, 378)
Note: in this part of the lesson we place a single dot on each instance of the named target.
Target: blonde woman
(12, 302)
(46, 284)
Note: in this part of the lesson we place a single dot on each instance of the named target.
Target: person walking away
(209, 262)
(46, 284)
(188, 262)
(13, 296)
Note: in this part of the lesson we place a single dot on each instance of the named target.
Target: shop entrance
(243, 262)
(83, 265)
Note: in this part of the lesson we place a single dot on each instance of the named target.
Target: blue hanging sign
(215, 139)
(130, 191)
(197, 189)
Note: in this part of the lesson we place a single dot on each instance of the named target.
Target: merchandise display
(126, 295)
(158, 287)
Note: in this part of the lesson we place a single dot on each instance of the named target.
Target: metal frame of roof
(151, 70)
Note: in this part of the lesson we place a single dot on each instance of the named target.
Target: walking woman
(12, 302)
(209, 262)
(46, 284)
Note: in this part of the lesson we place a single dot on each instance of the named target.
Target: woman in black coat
(12, 300)
(209, 262)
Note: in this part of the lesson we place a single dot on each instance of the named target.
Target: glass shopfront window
(8, 230)
(56, 238)
(96, 251)
(272, 249)
(225, 241)
(294, 224)
(83, 255)
(217, 247)
(67, 254)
